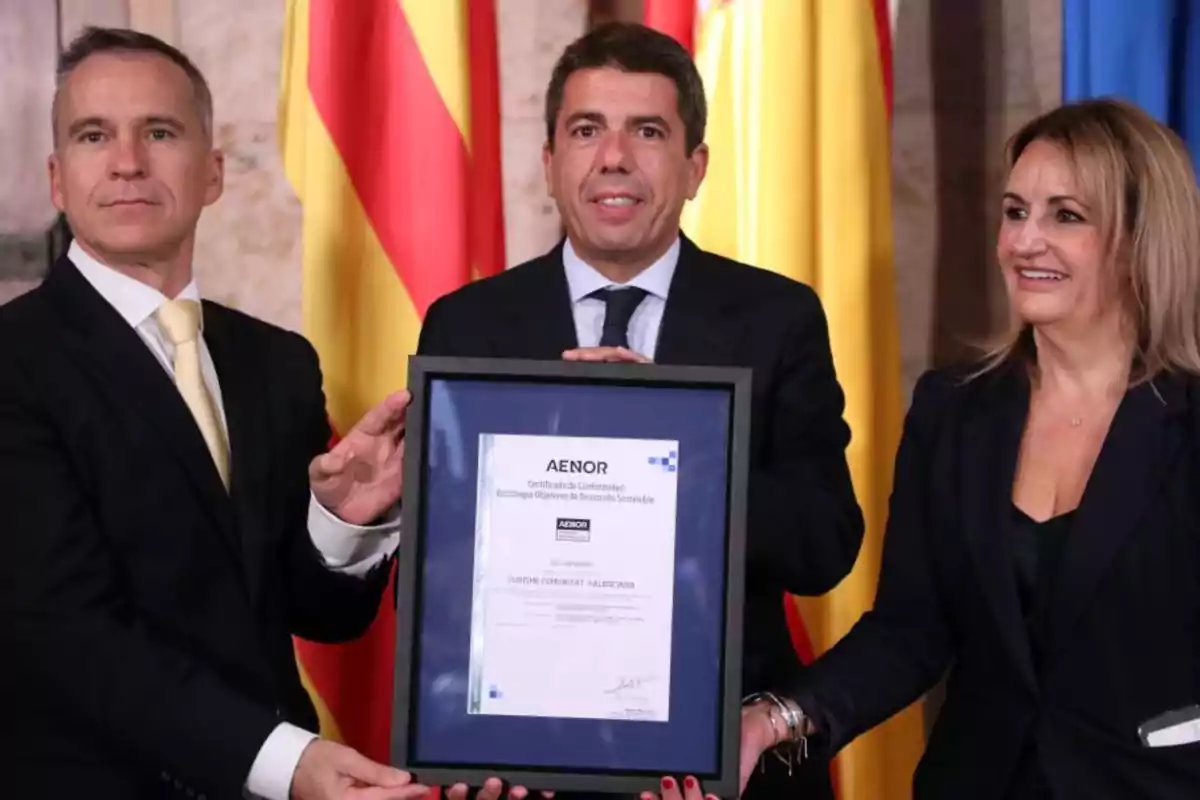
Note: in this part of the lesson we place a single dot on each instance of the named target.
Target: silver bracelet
(795, 747)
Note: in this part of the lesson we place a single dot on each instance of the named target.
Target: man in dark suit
(625, 117)
(172, 517)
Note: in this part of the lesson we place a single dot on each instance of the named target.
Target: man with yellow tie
(171, 515)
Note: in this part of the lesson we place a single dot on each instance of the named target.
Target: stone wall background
(28, 45)
(967, 72)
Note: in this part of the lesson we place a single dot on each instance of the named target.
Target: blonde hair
(1141, 184)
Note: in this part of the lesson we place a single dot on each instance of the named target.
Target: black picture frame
(424, 369)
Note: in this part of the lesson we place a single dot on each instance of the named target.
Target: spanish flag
(799, 182)
(390, 132)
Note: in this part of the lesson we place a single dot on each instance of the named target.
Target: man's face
(619, 169)
(133, 166)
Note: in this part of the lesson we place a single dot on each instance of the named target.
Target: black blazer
(146, 615)
(1121, 641)
(804, 524)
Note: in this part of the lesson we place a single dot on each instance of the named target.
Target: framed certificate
(571, 574)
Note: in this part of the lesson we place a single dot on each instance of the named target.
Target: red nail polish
(668, 784)
(689, 783)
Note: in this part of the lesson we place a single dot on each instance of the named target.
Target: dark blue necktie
(619, 305)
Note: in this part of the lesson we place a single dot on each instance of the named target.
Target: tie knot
(619, 304)
(179, 320)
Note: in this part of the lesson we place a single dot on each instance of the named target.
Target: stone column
(75, 14)
(157, 17)
(530, 42)
(28, 47)
(248, 243)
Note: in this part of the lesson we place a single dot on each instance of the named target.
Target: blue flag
(1143, 51)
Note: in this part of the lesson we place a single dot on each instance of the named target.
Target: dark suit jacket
(1121, 641)
(146, 614)
(804, 525)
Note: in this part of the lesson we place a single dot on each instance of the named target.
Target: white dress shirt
(583, 279)
(346, 548)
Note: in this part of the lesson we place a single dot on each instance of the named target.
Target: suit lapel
(134, 380)
(543, 325)
(692, 329)
(989, 448)
(1136, 456)
(247, 416)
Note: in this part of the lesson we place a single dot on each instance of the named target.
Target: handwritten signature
(635, 682)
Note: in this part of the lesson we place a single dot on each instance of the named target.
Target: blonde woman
(1043, 544)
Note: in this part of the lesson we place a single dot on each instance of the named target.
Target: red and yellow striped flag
(799, 181)
(390, 131)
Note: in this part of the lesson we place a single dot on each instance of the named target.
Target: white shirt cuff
(352, 549)
(274, 767)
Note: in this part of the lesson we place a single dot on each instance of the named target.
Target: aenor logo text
(574, 465)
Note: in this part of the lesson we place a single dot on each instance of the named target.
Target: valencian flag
(799, 182)
(1145, 52)
(389, 124)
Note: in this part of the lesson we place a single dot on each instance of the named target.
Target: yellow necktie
(180, 322)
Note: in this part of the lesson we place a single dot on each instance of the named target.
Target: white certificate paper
(573, 577)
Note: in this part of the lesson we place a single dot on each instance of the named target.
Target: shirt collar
(134, 301)
(583, 279)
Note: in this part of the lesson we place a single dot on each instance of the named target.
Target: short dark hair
(631, 47)
(93, 41)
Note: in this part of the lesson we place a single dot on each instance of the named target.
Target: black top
(1037, 551)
